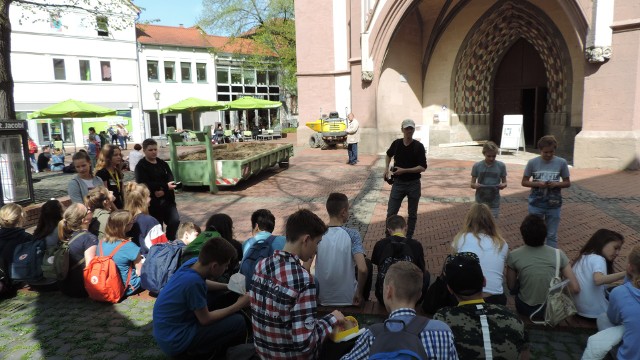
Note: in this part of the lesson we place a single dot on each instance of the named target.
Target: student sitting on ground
(47, 228)
(43, 159)
(128, 257)
(262, 224)
(187, 232)
(80, 185)
(396, 248)
(12, 234)
(146, 231)
(401, 291)
(100, 202)
(73, 230)
(594, 270)
(182, 323)
(473, 321)
(480, 235)
(531, 267)
(343, 274)
(57, 160)
(283, 296)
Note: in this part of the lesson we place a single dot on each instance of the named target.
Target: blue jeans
(411, 189)
(220, 335)
(552, 220)
(352, 150)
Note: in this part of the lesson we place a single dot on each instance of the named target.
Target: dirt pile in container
(233, 151)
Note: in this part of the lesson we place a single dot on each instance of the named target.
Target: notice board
(512, 133)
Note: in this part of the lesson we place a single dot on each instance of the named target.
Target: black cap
(464, 274)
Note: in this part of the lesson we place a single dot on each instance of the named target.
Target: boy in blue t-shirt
(546, 175)
(182, 322)
(488, 177)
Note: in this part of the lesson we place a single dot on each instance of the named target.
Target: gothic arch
(489, 39)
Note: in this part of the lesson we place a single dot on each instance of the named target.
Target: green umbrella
(193, 104)
(249, 102)
(71, 109)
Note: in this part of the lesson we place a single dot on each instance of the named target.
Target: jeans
(123, 142)
(411, 189)
(352, 150)
(220, 335)
(167, 214)
(552, 220)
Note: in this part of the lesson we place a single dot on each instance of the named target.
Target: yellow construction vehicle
(330, 131)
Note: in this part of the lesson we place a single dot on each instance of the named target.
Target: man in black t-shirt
(409, 161)
(157, 176)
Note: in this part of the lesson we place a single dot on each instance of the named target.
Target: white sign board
(512, 133)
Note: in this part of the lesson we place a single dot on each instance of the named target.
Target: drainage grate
(12, 307)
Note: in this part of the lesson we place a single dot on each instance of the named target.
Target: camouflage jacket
(506, 331)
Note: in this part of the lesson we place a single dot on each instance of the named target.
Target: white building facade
(72, 54)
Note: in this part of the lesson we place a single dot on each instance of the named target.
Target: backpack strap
(557, 275)
(81, 261)
(417, 324)
(113, 253)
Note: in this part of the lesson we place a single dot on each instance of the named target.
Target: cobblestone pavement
(48, 325)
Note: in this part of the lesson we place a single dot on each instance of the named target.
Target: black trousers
(167, 214)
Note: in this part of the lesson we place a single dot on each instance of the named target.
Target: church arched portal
(505, 32)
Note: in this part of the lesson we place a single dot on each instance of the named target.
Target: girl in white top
(594, 270)
(480, 235)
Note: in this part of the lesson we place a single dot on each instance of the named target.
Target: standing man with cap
(409, 161)
(482, 331)
(353, 138)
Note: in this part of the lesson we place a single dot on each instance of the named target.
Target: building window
(105, 67)
(249, 77)
(223, 76)
(236, 76)
(201, 72)
(273, 78)
(185, 71)
(169, 71)
(85, 70)
(58, 69)
(152, 70)
(262, 78)
(102, 25)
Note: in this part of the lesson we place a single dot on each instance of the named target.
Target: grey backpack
(401, 344)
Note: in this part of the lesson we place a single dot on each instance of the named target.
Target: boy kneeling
(182, 321)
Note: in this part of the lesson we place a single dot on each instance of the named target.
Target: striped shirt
(436, 338)
(283, 310)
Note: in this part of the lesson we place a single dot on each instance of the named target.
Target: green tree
(111, 8)
(269, 23)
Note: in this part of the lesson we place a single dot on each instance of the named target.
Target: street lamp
(157, 96)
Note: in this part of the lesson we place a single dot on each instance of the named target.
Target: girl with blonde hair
(480, 235)
(100, 202)
(146, 230)
(73, 230)
(128, 257)
(109, 169)
(12, 234)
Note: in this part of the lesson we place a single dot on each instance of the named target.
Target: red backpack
(102, 279)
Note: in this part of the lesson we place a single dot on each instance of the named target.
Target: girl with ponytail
(100, 202)
(146, 230)
(73, 230)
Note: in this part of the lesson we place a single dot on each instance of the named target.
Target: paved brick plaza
(48, 325)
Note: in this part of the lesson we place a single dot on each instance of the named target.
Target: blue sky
(170, 12)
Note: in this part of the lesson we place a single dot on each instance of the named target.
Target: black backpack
(402, 344)
(394, 251)
(258, 251)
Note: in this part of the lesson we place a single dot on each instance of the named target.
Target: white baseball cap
(408, 123)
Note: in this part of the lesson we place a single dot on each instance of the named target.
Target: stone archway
(485, 45)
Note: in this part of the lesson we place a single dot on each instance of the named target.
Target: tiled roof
(195, 37)
(171, 35)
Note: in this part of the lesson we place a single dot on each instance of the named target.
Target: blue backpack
(403, 344)
(27, 261)
(258, 251)
(161, 262)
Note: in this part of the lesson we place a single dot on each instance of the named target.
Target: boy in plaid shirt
(283, 296)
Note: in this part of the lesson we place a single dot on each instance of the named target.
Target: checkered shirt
(438, 344)
(283, 310)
